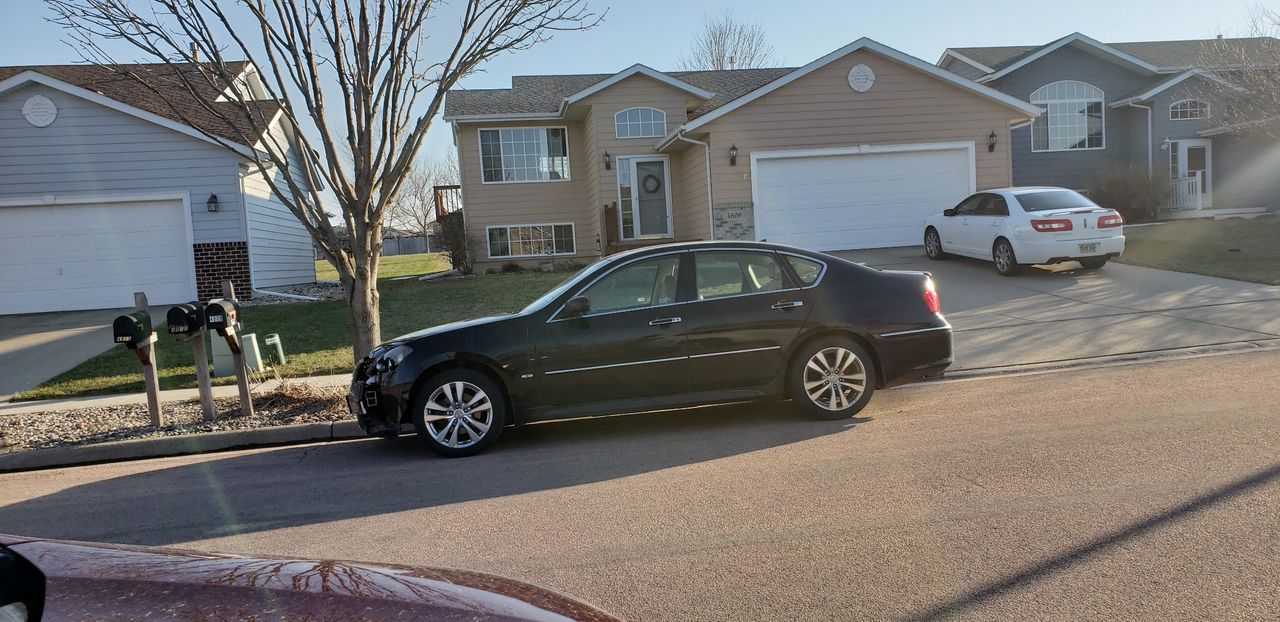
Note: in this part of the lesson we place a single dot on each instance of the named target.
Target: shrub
(511, 266)
(453, 236)
(1131, 191)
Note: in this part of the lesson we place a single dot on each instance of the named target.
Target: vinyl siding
(691, 215)
(93, 150)
(820, 110)
(1244, 172)
(1076, 169)
(280, 248)
(525, 203)
(636, 91)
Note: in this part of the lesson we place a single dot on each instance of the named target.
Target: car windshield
(1053, 200)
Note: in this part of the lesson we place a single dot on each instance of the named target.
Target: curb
(159, 447)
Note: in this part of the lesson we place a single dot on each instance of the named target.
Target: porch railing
(1186, 192)
(448, 199)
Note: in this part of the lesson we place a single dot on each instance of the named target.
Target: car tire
(1005, 260)
(933, 245)
(1093, 263)
(459, 412)
(826, 360)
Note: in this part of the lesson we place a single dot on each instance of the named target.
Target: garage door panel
(93, 256)
(836, 202)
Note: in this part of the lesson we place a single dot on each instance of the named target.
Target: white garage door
(93, 256)
(861, 200)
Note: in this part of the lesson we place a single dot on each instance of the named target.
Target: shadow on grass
(299, 486)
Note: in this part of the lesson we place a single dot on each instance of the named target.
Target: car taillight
(1113, 220)
(931, 299)
(1052, 225)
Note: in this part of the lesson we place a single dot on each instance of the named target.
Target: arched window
(640, 123)
(1187, 109)
(1071, 118)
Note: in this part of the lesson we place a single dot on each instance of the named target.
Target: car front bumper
(1032, 251)
(377, 412)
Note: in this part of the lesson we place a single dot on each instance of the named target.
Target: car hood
(87, 580)
(453, 326)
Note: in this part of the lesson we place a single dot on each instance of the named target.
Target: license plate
(1091, 247)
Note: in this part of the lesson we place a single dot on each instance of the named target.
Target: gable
(1070, 63)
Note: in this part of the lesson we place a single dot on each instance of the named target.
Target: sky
(656, 32)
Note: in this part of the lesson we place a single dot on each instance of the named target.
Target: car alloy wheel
(458, 414)
(834, 378)
(933, 244)
(1006, 262)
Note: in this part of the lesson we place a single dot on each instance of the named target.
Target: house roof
(1164, 54)
(543, 95)
(108, 82)
(1164, 83)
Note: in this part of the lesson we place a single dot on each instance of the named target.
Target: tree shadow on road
(290, 487)
(1098, 546)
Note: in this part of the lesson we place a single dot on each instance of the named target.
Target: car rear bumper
(1032, 251)
(914, 355)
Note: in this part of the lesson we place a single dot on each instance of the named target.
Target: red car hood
(110, 582)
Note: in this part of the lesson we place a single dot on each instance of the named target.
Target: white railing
(1186, 192)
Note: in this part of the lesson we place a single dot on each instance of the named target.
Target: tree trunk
(366, 305)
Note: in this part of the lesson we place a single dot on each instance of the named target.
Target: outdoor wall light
(212, 203)
(608, 164)
(733, 155)
(1164, 146)
(991, 142)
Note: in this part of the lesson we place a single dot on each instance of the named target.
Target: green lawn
(393, 267)
(1248, 250)
(316, 335)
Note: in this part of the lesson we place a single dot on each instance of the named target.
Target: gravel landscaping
(291, 403)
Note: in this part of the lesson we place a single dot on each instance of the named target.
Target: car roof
(710, 244)
(1015, 190)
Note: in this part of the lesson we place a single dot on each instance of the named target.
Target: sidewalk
(171, 395)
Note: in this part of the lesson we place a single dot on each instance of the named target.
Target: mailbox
(133, 330)
(186, 321)
(222, 317)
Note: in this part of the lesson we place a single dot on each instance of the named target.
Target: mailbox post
(222, 316)
(186, 323)
(133, 330)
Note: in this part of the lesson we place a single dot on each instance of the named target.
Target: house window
(640, 123)
(522, 154)
(1188, 109)
(511, 241)
(1071, 117)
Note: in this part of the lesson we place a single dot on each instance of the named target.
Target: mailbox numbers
(215, 319)
(123, 339)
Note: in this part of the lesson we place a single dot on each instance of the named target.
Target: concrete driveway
(37, 347)
(1061, 313)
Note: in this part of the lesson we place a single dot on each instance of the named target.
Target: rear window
(1053, 199)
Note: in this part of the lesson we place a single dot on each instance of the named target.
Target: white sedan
(1014, 227)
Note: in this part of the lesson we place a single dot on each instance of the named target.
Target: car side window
(645, 283)
(970, 206)
(720, 274)
(995, 206)
(807, 270)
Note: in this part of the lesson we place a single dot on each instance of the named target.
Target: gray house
(105, 191)
(1149, 104)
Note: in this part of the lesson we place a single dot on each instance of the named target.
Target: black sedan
(662, 327)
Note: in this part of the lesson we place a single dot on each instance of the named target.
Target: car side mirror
(950, 211)
(578, 305)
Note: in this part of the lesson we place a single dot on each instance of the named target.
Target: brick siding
(218, 261)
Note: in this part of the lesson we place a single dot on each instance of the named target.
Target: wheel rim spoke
(457, 407)
(834, 378)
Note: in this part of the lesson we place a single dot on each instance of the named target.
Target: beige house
(852, 150)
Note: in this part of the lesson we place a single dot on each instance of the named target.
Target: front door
(744, 314)
(1194, 158)
(644, 197)
(628, 346)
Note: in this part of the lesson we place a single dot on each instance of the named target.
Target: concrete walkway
(36, 347)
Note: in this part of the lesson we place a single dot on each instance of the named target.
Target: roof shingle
(108, 81)
(1172, 54)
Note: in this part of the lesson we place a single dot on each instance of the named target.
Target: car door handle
(790, 304)
(665, 321)
(995, 223)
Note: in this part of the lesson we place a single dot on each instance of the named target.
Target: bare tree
(726, 43)
(415, 209)
(1244, 76)
(353, 76)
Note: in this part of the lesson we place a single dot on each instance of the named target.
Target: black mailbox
(222, 317)
(186, 321)
(132, 329)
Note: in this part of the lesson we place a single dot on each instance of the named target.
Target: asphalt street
(1149, 491)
